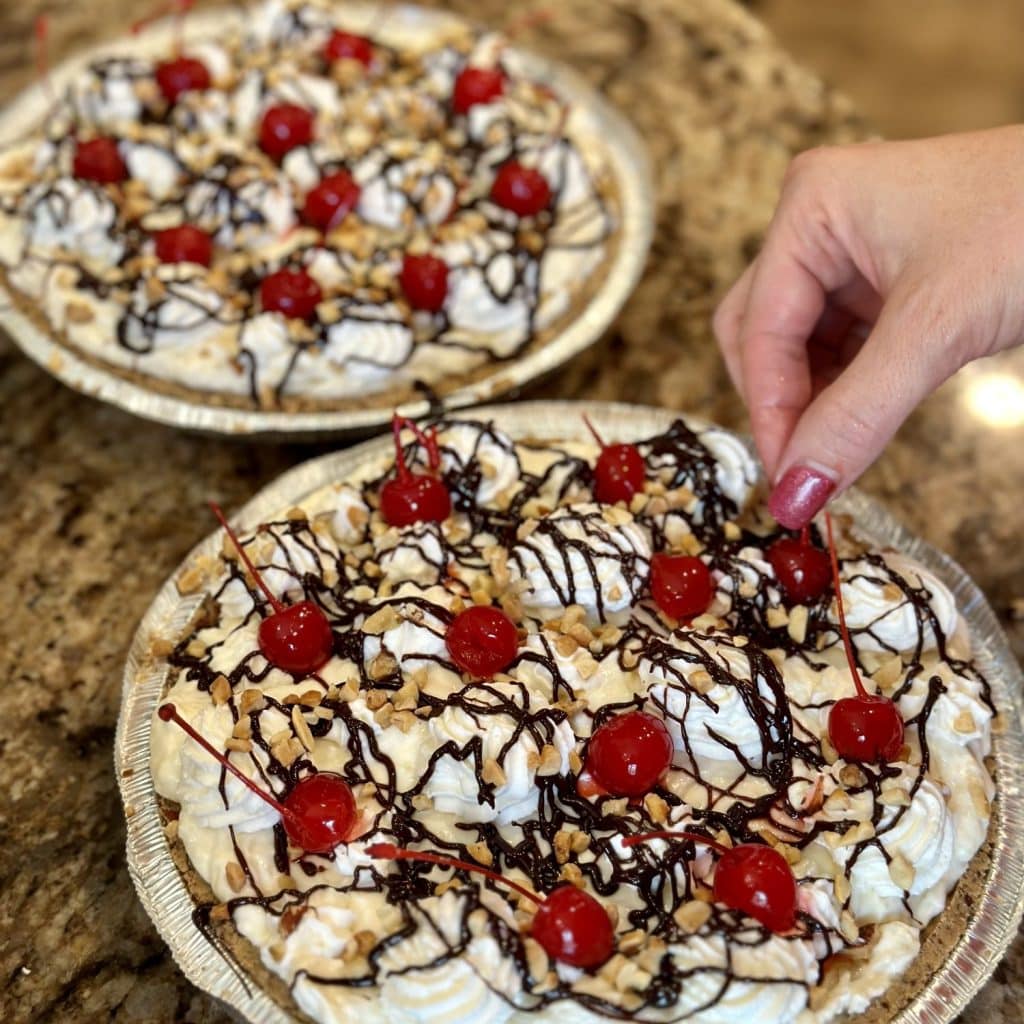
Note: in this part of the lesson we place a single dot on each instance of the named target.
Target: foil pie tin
(994, 917)
(629, 168)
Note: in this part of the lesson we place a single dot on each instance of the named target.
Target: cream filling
(931, 825)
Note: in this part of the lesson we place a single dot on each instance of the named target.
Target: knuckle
(815, 170)
(807, 165)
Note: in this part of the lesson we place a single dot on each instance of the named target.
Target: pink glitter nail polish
(799, 496)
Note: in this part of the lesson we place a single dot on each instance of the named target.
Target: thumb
(908, 354)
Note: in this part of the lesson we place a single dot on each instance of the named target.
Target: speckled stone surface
(98, 508)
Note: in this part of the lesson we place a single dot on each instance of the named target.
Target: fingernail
(800, 495)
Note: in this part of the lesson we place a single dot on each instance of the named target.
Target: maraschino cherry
(629, 753)
(523, 190)
(751, 878)
(295, 638)
(285, 127)
(330, 200)
(474, 86)
(570, 924)
(866, 728)
(414, 497)
(424, 280)
(802, 569)
(318, 812)
(291, 291)
(681, 585)
(620, 471)
(180, 75)
(184, 244)
(482, 640)
(99, 160)
(348, 46)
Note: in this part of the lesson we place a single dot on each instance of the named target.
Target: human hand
(886, 267)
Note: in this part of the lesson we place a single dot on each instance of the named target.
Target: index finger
(787, 297)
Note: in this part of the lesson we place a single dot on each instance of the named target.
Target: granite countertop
(98, 508)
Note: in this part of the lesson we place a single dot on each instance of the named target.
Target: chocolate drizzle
(480, 729)
(229, 188)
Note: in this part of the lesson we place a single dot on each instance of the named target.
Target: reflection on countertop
(99, 507)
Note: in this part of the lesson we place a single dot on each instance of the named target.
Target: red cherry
(754, 879)
(99, 160)
(620, 470)
(681, 585)
(322, 812)
(574, 928)
(183, 74)
(346, 46)
(482, 640)
(758, 881)
(570, 924)
(284, 128)
(414, 497)
(290, 291)
(802, 569)
(629, 753)
(319, 811)
(297, 638)
(523, 190)
(867, 728)
(476, 85)
(184, 244)
(329, 202)
(424, 279)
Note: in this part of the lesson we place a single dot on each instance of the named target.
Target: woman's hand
(886, 268)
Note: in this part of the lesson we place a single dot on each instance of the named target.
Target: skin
(886, 268)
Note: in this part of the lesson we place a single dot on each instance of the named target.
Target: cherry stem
(169, 713)
(593, 431)
(843, 630)
(527, 21)
(42, 38)
(694, 837)
(275, 603)
(805, 536)
(428, 441)
(179, 8)
(388, 851)
(396, 428)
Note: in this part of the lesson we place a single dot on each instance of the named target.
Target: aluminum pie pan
(996, 912)
(629, 166)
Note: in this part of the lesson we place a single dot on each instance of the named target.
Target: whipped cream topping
(488, 770)
(424, 171)
(583, 555)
